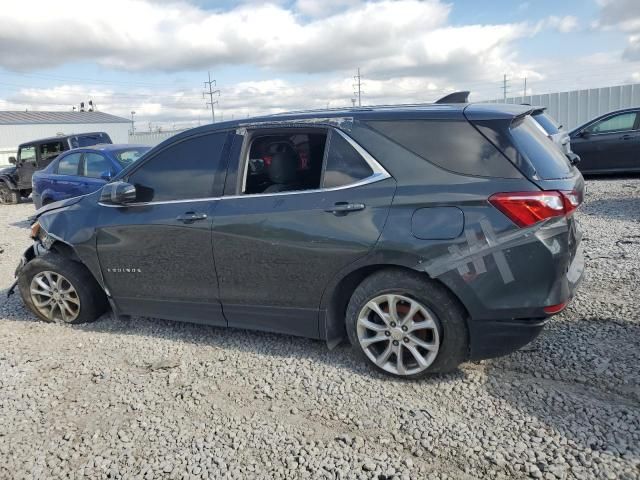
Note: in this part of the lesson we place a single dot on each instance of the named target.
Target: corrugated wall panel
(576, 107)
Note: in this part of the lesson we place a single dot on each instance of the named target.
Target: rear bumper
(494, 338)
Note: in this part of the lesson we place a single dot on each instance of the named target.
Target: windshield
(547, 122)
(88, 140)
(130, 155)
(544, 155)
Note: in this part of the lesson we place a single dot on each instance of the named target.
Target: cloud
(565, 24)
(138, 35)
(622, 15)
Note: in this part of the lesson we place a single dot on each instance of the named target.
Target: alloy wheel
(399, 334)
(55, 297)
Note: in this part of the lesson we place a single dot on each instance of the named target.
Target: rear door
(276, 252)
(26, 164)
(155, 254)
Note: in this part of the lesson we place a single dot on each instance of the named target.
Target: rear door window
(544, 155)
(69, 164)
(344, 165)
(49, 151)
(95, 165)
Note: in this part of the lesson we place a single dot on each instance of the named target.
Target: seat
(283, 172)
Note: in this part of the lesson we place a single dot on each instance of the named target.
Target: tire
(85, 304)
(440, 322)
(7, 195)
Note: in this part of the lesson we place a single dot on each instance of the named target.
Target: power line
(211, 93)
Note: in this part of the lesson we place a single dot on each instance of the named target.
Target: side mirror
(12, 160)
(118, 193)
(106, 175)
(584, 134)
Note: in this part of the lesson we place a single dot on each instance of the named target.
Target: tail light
(528, 208)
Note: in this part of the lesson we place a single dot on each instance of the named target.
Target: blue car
(81, 171)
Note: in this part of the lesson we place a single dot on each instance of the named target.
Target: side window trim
(379, 172)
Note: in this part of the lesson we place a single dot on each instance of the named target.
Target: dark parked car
(81, 171)
(427, 235)
(609, 143)
(15, 181)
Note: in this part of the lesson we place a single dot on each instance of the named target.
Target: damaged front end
(64, 227)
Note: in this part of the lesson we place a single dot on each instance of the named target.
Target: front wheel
(407, 325)
(60, 290)
(7, 195)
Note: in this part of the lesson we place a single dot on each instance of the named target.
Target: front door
(156, 254)
(610, 144)
(285, 231)
(26, 164)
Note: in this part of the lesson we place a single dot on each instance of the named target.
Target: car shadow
(578, 370)
(225, 339)
(21, 223)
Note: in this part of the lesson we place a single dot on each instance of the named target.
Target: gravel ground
(155, 399)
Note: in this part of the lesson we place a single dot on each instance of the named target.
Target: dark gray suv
(427, 235)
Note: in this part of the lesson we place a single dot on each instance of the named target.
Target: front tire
(60, 290)
(407, 325)
(7, 195)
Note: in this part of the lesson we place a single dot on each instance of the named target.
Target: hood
(8, 170)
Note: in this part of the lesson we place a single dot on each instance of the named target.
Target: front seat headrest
(283, 167)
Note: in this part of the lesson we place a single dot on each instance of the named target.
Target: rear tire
(7, 195)
(61, 290)
(427, 328)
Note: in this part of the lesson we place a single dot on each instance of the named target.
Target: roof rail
(455, 97)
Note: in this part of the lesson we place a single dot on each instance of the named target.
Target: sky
(153, 56)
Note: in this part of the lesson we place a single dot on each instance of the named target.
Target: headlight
(35, 229)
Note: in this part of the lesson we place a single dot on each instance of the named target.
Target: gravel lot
(149, 399)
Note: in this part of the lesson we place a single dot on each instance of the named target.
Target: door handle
(627, 137)
(190, 217)
(342, 208)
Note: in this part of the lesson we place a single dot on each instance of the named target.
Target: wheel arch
(336, 297)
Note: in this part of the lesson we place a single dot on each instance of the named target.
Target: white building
(20, 127)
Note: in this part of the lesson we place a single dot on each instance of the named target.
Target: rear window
(547, 122)
(544, 155)
(88, 140)
(454, 145)
(130, 155)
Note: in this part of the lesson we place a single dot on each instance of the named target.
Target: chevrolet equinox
(427, 235)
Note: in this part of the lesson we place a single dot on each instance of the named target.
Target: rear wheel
(7, 195)
(407, 325)
(60, 290)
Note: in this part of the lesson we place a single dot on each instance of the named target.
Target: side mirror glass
(106, 175)
(12, 160)
(118, 193)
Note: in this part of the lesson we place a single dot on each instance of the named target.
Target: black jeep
(15, 181)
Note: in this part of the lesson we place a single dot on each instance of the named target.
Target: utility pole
(353, 102)
(358, 85)
(133, 123)
(525, 87)
(211, 92)
(505, 85)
